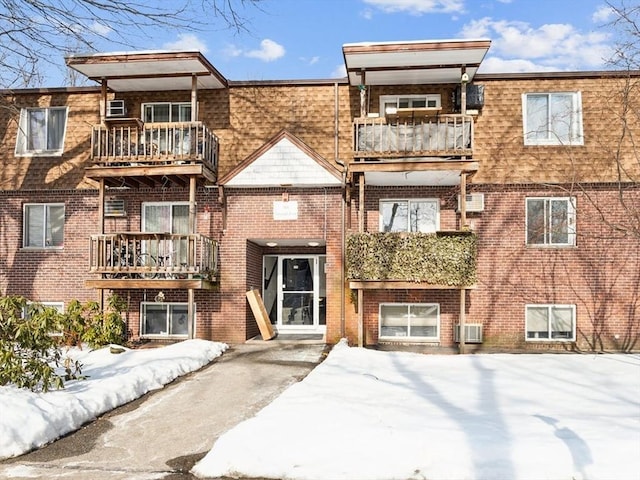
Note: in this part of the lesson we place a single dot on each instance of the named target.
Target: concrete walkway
(163, 434)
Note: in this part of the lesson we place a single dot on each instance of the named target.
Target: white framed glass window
(414, 215)
(43, 225)
(41, 131)
(167, 217)
(410, 321)
(164, 319)
(551, 322)
(552, 118)
(551, 221)
(58, 306)
(431, 100)
(163, 112)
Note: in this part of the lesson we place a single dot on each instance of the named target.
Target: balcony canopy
(417, 62)
(148, 71)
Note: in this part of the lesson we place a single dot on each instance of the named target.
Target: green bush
(437, 259)
(86, 323)
(29, 347)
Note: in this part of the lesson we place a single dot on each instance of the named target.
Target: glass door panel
(298, 291)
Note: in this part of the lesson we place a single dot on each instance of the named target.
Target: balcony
(443, 260)
(127, 152)
(410, 133)
(153, 260)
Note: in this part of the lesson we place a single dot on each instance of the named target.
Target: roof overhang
(148, 71)
(418, 62)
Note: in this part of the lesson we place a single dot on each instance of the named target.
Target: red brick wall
(55, 275)
(600, 275)
(250, 216)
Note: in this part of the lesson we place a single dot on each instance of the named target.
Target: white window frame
(409, 337)
(550, 338)
(172, 106)
(548, 231)
(25, 133)
(394, 101)
(26, 214)
(167, 333)
(59, 306)
(575, 128)
(409, 201)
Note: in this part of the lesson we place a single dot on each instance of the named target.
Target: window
(551, 322)
(58, 306)
(164, 217)
(551, 221)
(422, 215)
(409, 101)
(416, 321)
(43, 225)
(41, 131)
(165, 319)
(552, 118)
(166, 112)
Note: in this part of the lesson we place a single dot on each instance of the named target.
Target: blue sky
(298, 39)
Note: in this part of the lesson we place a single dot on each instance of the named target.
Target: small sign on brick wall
(285, 210)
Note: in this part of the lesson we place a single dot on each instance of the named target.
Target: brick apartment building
(413, 202)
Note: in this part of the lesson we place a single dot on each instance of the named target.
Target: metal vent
(475, 202)
(114, 208)
(473, 333)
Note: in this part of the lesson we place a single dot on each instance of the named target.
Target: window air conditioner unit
(473, 333)
(475, 202)
(115, 108)
(114, 208)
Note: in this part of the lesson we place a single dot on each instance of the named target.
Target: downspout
(342, 208)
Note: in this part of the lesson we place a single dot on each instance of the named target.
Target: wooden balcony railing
(153, 256)
(134, 143)
(444, 259)
(435, 135)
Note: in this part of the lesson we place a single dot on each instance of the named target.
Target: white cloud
(367, 14)
(548, 47)
(310, 61)
(187, 41)
(231, 51)
(496, 64)
(418, 7)
(268, 51)
(340, 71)
(101, 29)
(603, 14)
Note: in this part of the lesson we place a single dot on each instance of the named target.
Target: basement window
(164, 320)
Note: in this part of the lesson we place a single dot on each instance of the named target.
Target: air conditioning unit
(474, 202)
(114, 208)
(473, 333)
(115, 108)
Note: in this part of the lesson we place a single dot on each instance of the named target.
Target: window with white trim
(32, 307)
(41, 131)
(431, 100)
(552, 118)
(551, 221)
(551, 322)
(164, 319)
(410, 321)
(43, 225)
(166, 112)
(414, 215)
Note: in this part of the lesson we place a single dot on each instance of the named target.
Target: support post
(191, 313)
(360, 317)
(461, 336)
(361, 203)
(463, 201)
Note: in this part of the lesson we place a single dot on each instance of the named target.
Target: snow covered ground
(376, 415)
(381, 415)
(29, 420)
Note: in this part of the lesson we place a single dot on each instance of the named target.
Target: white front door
(294, 291)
